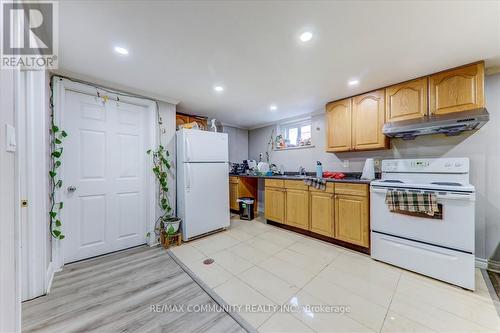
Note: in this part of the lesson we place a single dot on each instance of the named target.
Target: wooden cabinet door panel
(297, 208)
(274, 204)
(368, 117)
(406, 100)
(322, 213)
(181, 119)
(457, 90)
(233, 196)
(351, 219)
(338, 125)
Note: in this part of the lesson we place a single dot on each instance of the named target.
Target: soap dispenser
(319, 170)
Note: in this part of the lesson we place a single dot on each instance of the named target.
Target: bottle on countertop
(319, 170)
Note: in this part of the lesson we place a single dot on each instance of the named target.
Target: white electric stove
(440, 246)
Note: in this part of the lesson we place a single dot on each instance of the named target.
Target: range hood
(450, 124)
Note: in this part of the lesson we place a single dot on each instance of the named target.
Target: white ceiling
(180, 50)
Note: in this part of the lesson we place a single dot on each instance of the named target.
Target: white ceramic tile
(212, 275)
(249, 253)
(239, 234)
(231, 262)
(315, 249)
(362, 285)
(284, 323)
(363, 311)
(279, 291)
(464, 305)
(310, 263)
(318, 315)
(187, 253)
(368, 269)
(277, 238)
(478, 294)
(395, 323)
(236, 292)
(264, 245)
(214, 243)
(254, 228)
(292, 274)
(433, 317)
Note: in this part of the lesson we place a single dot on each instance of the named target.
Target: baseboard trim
(481, 263)
(493, 265)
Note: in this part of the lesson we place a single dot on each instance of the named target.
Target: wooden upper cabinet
(338, 124)
(181, 119)
(406, 100)
(457, 90)
(368, 117)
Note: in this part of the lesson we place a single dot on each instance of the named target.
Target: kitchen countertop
(348, 179)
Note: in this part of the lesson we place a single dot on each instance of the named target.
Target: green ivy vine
(161, 165)
(57, 136)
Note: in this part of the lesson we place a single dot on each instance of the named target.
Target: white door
(104, 161)
(206, 198)
(203, 146)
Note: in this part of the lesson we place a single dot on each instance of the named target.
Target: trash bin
(246, 208)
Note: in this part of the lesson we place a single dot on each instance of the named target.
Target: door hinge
(24, 203)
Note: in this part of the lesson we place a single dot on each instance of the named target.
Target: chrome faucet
(302, 171)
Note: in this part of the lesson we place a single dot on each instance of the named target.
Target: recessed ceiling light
(273, 107)
(353, 83)
(121, 50)
(306, 36)
(219, 89)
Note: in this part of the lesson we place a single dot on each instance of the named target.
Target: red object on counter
(334, 175)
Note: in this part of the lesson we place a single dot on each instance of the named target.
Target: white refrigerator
(202, 182)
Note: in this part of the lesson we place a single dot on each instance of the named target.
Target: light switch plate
(10, 138)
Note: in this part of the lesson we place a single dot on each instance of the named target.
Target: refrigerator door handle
(188, 149)
(188, 176)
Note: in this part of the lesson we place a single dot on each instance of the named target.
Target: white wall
(482, 147)
(167, 114)
(238, 143)
(9, 307)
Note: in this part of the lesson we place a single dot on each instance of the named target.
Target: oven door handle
(447, 196)
(453, 196)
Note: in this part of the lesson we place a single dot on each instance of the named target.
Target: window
(295, 134)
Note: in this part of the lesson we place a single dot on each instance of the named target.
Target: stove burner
(446, 184)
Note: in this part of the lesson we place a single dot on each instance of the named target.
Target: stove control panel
(427, 165)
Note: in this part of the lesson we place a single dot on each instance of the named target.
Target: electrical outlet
(345, 163)
(376, 163)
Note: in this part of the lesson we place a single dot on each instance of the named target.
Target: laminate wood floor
(113, 293)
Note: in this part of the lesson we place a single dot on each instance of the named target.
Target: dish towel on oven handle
(317, 183)
(416, 202)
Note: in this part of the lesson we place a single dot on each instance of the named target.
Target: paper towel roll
(368, 169)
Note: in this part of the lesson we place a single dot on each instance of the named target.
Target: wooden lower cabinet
(341, 212)
(233, 196)
(322, 213)
(297, 208)
(242, 187)
(274, 204)
(352, 219)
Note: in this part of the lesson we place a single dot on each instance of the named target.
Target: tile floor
(259, 264)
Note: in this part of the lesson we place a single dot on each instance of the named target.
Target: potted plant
(166, 224)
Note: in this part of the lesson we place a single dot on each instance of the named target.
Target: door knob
(71, 189)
